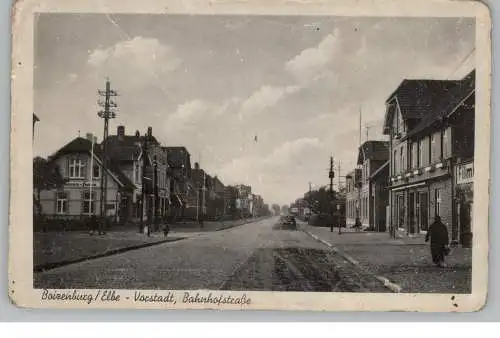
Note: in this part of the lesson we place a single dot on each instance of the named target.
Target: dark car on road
(288, 221)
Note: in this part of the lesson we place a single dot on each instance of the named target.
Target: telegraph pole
(109, 112)
(331, 175)
(338, 205)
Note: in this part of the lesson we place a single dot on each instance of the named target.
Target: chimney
(197, 166)
(150, 131)
(137, 134)
(120, 132)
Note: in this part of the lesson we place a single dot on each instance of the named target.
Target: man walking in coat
(438, 235)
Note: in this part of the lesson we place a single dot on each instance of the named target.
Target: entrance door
(424, 211)
(411, 213)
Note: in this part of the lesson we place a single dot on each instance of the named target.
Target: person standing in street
(438, 235)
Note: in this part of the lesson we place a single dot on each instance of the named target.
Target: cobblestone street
(263, 256)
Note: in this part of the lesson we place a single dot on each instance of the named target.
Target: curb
(50, 266)
(237, 225)
(386, 282)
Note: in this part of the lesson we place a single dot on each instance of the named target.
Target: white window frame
(87, 199)
(61, 203)
(76, 168)
(437, 195)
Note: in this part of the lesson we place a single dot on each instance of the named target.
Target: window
(446, 143)
(88, 205)
(401, 159)
(437, 202)
(76, 167)
(62, 202)
(414, 155)
(394, 162)
(431, 145)
(96, 171)
(421, 152)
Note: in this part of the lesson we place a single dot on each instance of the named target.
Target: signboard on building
(81, 184)
(465, 173)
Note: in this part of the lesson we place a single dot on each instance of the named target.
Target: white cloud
(136, 61)
(267, 96)
(312, 61)
(291, 152)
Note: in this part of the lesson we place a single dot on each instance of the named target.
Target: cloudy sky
(260, 100)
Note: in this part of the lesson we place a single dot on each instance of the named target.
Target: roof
(35, 118)
(448, 104)
(82, 145)
(416, 97)
(125, 147)
(373, 150)
(384, 169)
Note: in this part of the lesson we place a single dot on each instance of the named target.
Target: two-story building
(80, 163)
(430, 130)
(372, 155)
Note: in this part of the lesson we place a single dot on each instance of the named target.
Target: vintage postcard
(242, 155)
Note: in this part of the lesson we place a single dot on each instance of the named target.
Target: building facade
(353, 186)
(80, 196)
(144, 161)
(372, 155)
(181, 188)
(431, 130)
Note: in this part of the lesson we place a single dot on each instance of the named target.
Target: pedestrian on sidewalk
(438, 234)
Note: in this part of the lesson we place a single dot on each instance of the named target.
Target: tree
(46, 176)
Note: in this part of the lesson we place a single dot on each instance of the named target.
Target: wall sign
(465, 173)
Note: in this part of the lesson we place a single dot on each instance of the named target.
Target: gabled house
(80, 196)
(149, 166)
(372, 155)
(430, 124)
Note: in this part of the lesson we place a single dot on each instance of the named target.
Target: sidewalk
(405, 261)
(209, 226)
(53, 249)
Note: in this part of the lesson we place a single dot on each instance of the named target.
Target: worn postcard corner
(318, 156)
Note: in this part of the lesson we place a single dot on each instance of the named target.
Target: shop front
(464, 202)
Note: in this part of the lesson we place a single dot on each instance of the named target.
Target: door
(424, 211)
(401, 211)
(411, 213)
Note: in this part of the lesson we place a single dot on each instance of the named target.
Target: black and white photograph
(206, 159)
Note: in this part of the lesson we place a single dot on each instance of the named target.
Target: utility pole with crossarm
(331, 175)
(108, 112)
